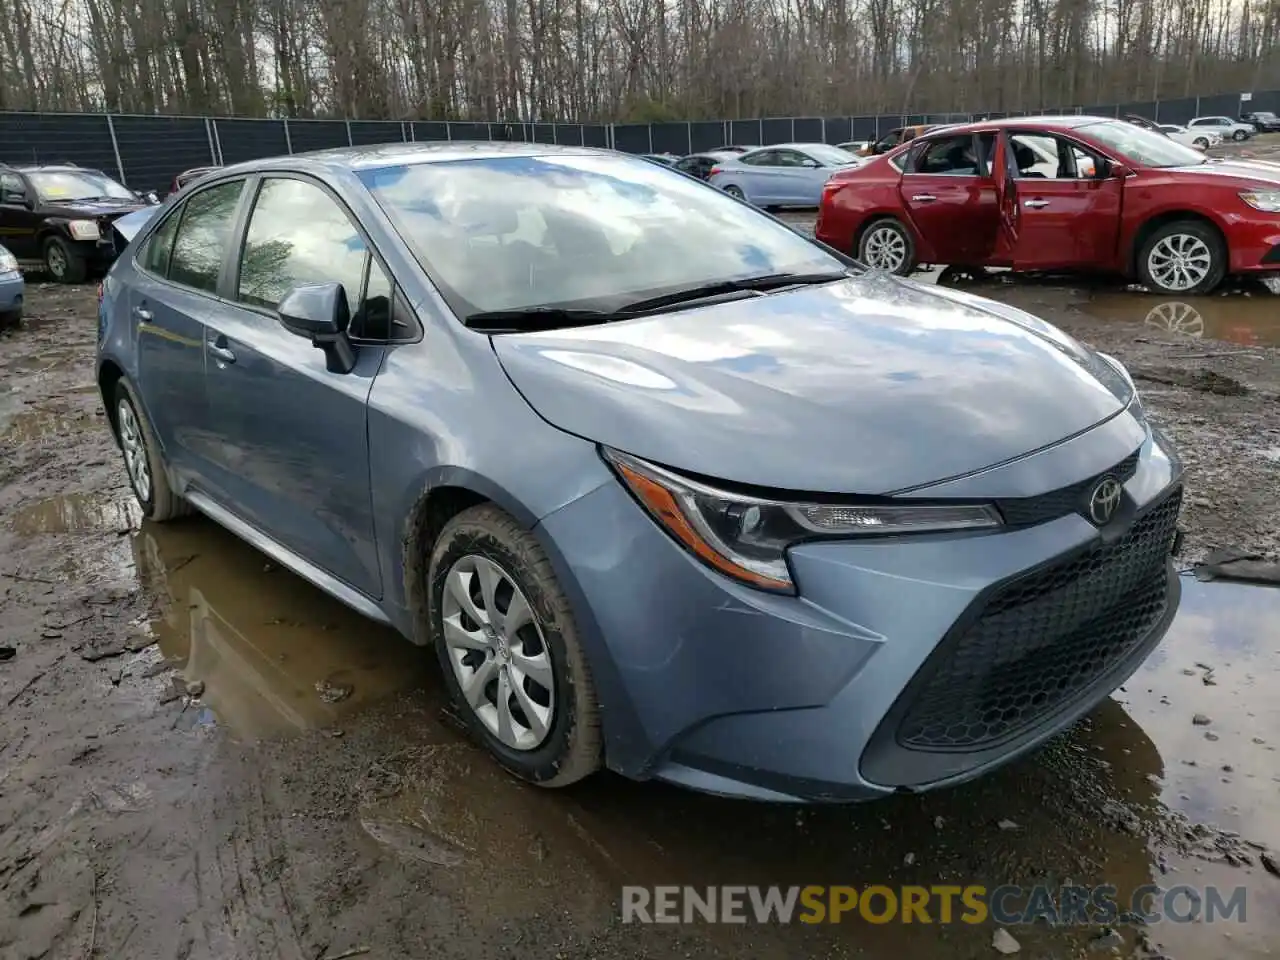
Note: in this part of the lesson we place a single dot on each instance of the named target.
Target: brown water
(1110, 803)
(1245, 320)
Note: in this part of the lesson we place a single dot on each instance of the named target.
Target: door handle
(223, 353)
(1036, 204)
(142, 313)
(924, 198)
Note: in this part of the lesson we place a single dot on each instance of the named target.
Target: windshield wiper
(771, 281)
(537, 318)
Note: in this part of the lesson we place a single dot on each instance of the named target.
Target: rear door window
(204, 236)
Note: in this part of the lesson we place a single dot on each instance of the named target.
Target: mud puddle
(1243, 320)
(76, 513)
(270, 653)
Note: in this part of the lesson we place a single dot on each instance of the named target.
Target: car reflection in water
(275, 654)
(1246, 320)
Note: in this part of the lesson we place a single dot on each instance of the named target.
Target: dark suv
(57, 217)
(1264, 120)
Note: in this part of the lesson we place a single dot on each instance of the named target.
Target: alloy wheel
(499, 655)
(885, 249)
(1179, 261)
(135, 451)
(56, 261)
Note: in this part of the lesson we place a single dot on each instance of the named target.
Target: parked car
(662, 159)
(506, 397)
(978, 196)
(733, 148)
(58, 217)
(700, 165)
(190, 176)
(1201, 139)
(895, 138)
(12, 288)
(1264, 121)
(786, 174)
(1228, 128)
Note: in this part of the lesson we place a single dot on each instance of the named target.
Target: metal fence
(146, 152)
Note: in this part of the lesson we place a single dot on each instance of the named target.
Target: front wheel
(63, 262)
(1239, 135)
(1183, 257)
(1202, 143)
(508, 644)
(886, 245)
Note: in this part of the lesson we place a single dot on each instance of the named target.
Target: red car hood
(1259, 171)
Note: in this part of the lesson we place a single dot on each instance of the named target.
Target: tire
(569, 747)
(889, 244)
(1239, 135)
(158, 501)
(63, 262)
(1202, 143)
(735, 192)
(1195, 236)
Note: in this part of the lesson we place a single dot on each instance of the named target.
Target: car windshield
(832, 156)
(63, 185)
(594, 232)
(1143, 147)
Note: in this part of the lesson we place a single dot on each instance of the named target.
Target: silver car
(663, 485)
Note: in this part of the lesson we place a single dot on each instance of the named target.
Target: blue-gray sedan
(12, 288)
(667, 487)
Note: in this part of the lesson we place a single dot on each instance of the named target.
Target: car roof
(397, 154)
(797, 145)
(49, 168)
(1065, 122)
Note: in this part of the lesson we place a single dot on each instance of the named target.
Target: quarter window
(298, 234)
(204, 235)
(155, 255)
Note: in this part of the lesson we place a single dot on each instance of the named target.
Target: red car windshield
(1142, 147)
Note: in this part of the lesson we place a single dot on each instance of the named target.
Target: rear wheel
(143, 461)
(735, 192)
(886, 245)
(63, 262)
(1202, 143)
(1186, 256)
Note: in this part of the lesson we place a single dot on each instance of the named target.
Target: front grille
(1025, 511)
(1042, 639)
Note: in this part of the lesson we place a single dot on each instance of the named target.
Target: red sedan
(1059, 193)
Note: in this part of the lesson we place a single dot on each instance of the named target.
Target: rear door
(292, 456)
(949, 195)
(1063, 215)
(172, 294)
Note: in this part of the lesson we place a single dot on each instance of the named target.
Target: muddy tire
(143, 463)
(508, 646)
(887, 245)
(1185, 257)
(63, 263)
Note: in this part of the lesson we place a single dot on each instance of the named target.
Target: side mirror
(319, 312)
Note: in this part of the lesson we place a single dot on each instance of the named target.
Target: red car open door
(1056, 211)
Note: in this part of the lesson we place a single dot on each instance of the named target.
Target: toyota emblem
(1104, 500)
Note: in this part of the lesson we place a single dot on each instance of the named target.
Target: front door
(292, 451)
(949, 195)
(1056, 212)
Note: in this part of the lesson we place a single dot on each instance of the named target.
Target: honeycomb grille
(1025, 511)
(1043, 639)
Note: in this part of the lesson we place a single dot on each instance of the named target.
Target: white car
(1201, 138)
(1229, 128)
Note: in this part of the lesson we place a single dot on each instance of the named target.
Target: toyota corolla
(666, 487)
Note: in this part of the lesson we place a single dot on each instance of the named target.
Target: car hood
(1259, 171)
(871, 385)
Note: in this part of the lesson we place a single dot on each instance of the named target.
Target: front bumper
(12, 290)
(903, 664)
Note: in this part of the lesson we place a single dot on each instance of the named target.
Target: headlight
(83, 230)
(8, 262)
(747, 537)
(1268, 201)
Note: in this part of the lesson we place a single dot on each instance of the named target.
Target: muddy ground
(203, 757)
